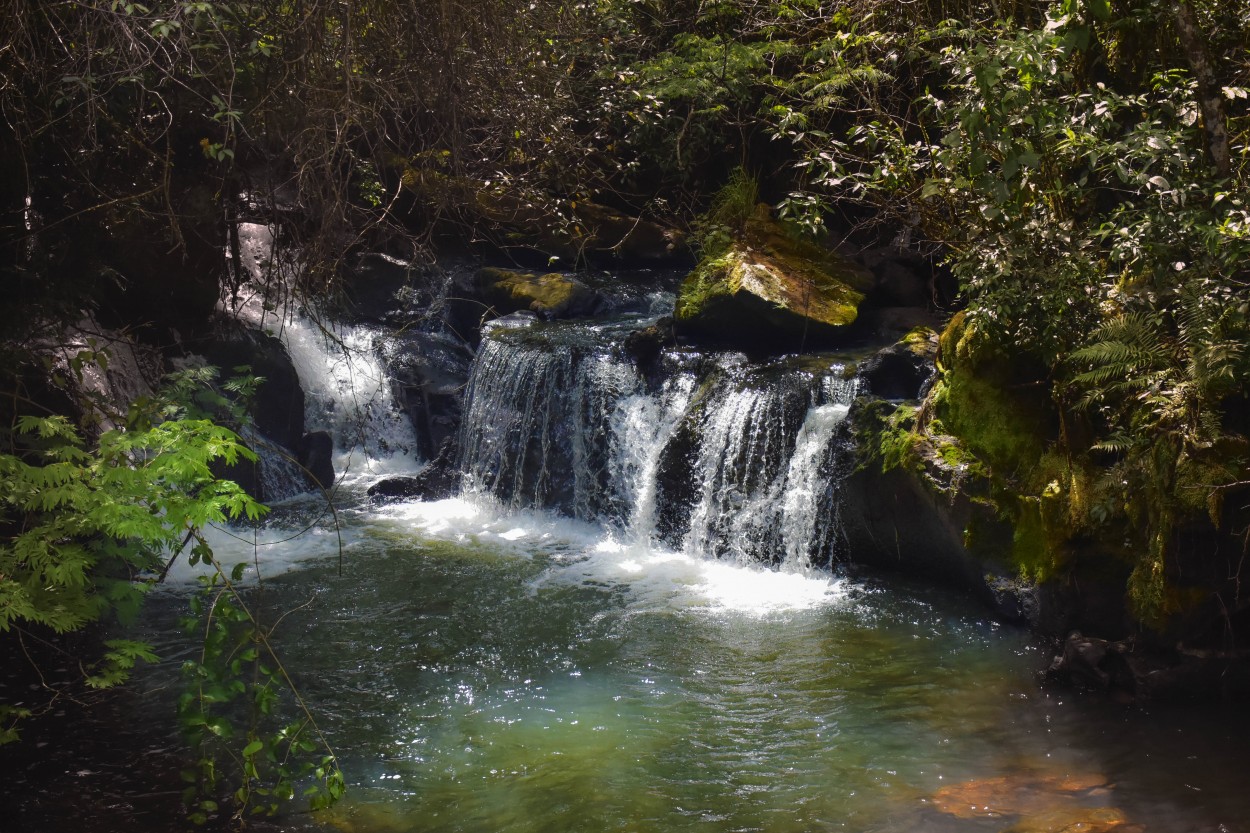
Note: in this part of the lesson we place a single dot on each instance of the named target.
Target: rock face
(768, 291)
(428, 373)
(913, 513)
(278, 407)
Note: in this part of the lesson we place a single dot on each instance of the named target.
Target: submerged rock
(1039, 803)
(770, 291)
(1135, 672)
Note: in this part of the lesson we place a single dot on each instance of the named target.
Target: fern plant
(1158, 379)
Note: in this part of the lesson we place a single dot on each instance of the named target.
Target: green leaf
(1099, 9)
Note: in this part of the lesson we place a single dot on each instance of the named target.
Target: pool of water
(479, 671)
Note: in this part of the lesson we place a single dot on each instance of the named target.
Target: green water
(521, 677)
(481, 673)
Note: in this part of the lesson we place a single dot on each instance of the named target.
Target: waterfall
(536, 413)
(715, 457)
(765, 490)
(348, 393)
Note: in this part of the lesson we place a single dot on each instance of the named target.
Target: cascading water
(557, 417)
(348, 393)
(481, 666)
(341, 368)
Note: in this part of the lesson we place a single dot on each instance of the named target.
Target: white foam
(267, 551)
(584, 554)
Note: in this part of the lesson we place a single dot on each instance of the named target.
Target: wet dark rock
(676, 480)
(277, 409)
(429, 372)
(902, 370)
(645, 346)
(246, 473)
(315, 454)
(437, 481)
(382, 289)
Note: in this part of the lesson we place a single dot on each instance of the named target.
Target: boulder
(902, 370)
(768, 291)
(428, 373)
(316, 456)
(552, 295)
(278, 405)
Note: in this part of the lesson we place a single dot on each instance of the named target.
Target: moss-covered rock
(769, 290)
(550, 296)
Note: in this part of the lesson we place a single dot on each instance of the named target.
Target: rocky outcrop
(428, 373)
(955, 510)
(768, 291)
(909, 505)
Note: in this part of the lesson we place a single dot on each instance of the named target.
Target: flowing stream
(626, 622)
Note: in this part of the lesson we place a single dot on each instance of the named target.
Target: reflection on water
(482, 672)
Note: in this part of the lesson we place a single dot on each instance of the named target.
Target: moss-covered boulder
(550, 296)
(767, 290)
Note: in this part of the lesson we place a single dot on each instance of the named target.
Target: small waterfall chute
(719, 458)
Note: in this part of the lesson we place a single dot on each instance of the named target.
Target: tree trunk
(1209, 95)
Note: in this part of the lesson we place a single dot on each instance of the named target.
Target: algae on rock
(767, 289)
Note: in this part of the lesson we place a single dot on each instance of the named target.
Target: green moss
(886, 435)
(553, 293)
(997, 405)
(918, 340)
(712, 276)
(762, 274)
